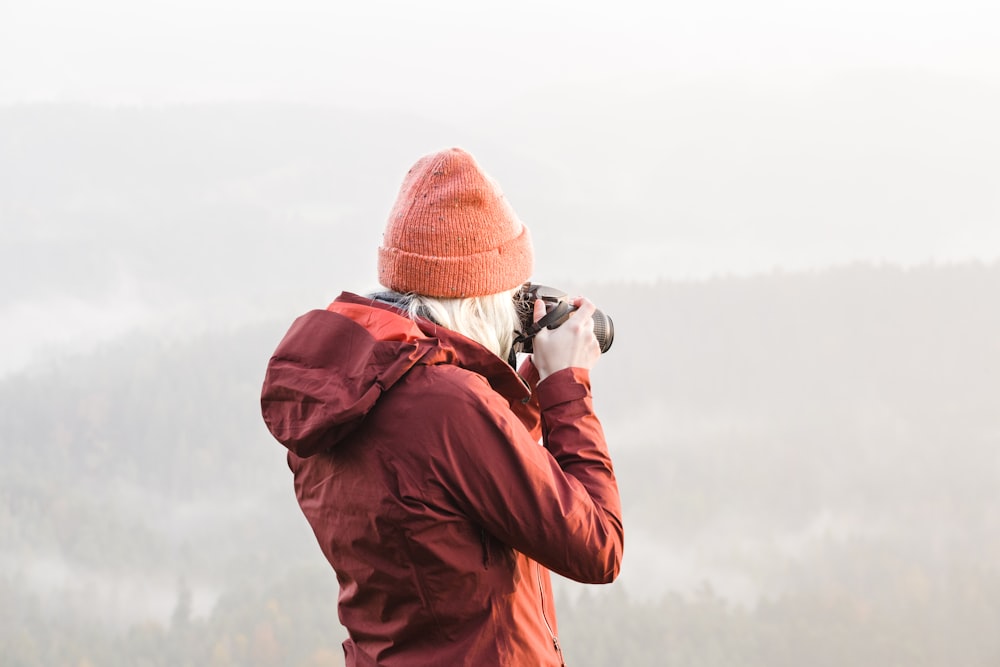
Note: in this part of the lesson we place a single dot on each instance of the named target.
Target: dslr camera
(557, 309)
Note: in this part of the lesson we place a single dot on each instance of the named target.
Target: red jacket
(416, 461)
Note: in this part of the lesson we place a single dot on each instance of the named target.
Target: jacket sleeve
(557, 504)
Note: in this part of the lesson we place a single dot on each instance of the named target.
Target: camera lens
(604, 330)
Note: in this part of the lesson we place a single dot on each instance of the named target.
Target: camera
(557, 309)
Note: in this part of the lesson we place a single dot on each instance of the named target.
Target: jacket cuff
(565, 386)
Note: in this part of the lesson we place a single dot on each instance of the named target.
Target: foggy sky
(655, 141)
(448, 56)
(478, 65)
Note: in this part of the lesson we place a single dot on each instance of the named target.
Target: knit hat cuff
(491, 272)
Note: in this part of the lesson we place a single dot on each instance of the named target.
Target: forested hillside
(808, 462)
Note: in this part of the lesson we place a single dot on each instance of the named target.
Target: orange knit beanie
(452, 232)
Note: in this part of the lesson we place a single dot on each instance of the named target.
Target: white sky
(402, 54)
(452, 59)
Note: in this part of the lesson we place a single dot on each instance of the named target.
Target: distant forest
(809, 464)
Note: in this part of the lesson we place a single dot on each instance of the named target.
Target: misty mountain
(764, 402)
(776, 438)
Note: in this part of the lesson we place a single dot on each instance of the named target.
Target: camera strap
(551, 320)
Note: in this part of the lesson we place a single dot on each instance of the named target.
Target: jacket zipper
(541, 597)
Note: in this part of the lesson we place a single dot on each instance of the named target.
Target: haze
(790, 209)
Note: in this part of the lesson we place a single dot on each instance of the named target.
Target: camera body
(557, 309)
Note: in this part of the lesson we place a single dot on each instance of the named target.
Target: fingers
(571, 344)
(539, 309)
(584, 307)
(581, 306)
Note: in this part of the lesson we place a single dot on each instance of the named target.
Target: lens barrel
(604, 330)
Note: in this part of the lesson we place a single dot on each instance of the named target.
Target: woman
(414, 443)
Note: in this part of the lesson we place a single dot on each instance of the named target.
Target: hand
(571, 345)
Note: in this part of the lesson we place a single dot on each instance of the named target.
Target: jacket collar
(387, 322)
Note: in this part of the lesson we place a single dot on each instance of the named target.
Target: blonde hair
(489, 320)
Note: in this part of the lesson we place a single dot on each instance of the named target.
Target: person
(415, 446)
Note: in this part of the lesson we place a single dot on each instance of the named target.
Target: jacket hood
(332, 366)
